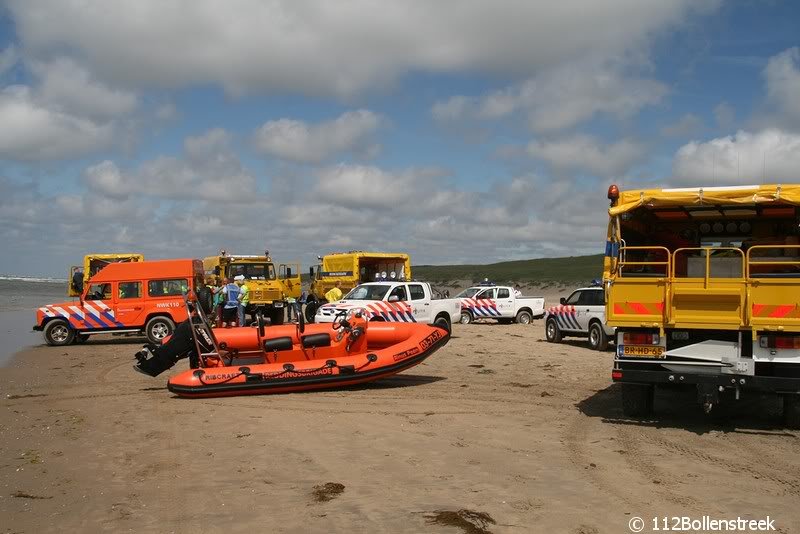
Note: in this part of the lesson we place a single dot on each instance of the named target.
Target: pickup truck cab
(499, 303)
(582, 314)
(395, 302)
(144, 297)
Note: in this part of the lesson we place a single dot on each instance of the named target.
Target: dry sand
(499, 422)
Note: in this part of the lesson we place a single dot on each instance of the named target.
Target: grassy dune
(545, 271)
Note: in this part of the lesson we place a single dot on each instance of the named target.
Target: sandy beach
(499, 422)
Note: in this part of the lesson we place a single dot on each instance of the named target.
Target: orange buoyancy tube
(319, 358)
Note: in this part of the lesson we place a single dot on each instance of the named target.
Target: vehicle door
(420, 303)
(397, 305)
(485, 304)
(98, 306)
(289, 278)
(129, 303)
(505, 302)
(587, 304)
(596, 309)
(566, 314)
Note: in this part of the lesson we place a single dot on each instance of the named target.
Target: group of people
(226, 302)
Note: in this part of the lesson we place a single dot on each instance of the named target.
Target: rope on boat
(288, 368)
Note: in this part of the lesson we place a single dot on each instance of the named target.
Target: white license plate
(278, 304)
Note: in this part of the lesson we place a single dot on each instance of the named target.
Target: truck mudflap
(772, 384)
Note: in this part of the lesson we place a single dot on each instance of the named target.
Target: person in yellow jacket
(334, 294)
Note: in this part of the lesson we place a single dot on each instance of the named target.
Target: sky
(459, 132)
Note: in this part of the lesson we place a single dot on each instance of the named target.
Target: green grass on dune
(540, 271)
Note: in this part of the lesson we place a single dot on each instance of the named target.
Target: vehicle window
(573, 299)
(417, 292)
(487, 294)
(468, 293)
(503, 293)
(252, 271)
(587, 298)
(99, 292)
(599, 298)
(399, 292)
(167, 288)
(130, 290)
(368, 292)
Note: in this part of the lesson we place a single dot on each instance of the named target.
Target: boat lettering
(224, 376)
(435, 336)
(316, 372)
(406, 354)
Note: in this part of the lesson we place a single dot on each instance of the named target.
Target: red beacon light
(613, 193)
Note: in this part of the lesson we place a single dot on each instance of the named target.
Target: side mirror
(394, 298)
(563, 301)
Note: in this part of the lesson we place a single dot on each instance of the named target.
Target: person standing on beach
(335, 294)
(231, 307)
(244, 298)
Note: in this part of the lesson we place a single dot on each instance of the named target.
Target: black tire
(598, 339)
(311, 311)
(791, 411)
(158, 328)
(443, 323)
(58, 333)
(524, 317)
(552, 332)
(466, 317)
(637, 399)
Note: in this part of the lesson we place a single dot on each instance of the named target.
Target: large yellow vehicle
(703, 287)
(92, 263)
(350, 269)
(269, 288)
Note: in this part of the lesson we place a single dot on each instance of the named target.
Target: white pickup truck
(499, 303)
(395, 302)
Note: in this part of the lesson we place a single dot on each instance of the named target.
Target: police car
(582, 314)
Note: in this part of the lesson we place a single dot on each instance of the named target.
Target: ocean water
(19, 298)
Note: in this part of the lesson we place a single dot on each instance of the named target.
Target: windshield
(372, 292)
(252, 271)
(468, 293)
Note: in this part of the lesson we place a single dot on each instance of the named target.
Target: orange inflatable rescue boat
(289, 358)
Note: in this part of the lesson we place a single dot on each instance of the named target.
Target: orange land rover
(124, 298)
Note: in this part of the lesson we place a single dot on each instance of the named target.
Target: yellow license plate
(637, 351)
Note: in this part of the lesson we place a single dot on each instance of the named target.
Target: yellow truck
(92, 263)
(350, 269)
(703, 287)
(269, 287)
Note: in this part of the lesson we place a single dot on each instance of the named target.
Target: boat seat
(313, 341)
(278, 343)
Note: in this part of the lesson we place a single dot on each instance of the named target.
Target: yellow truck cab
(92, 263)
(269, 287)
(703, 287)
(351, 269)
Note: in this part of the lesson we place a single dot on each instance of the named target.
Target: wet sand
(499, 429)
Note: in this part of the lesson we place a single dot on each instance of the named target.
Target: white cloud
(208, 171)
(8, 58)
(782, 75)
(300, 141)
(334, 48)
(688, 125)
(32, 131)
(562, 97)
(65, 85)
(585, 153)
(745, 158)
(724, 114)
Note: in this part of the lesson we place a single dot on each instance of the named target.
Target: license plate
(637, 351)
(278, 304)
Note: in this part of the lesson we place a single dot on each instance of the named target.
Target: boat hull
(385, 351)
